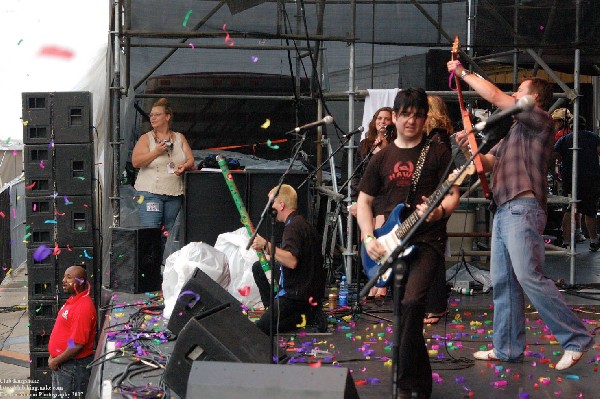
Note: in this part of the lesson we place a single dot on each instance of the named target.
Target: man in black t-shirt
(389, 175)
(301, 277)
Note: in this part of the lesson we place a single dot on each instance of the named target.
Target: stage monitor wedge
(216, 380)
(220, 334)
(210, 295)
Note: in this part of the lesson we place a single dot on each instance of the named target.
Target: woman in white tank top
(162, 157)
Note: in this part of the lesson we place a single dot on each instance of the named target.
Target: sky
(48, 45)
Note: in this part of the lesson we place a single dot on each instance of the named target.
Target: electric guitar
(390, 235)
(469, 126)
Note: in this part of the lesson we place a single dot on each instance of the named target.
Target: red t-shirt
(75, 324)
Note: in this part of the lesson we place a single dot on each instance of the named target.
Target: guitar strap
(418, 169)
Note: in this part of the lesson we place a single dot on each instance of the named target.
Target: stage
(361, 342)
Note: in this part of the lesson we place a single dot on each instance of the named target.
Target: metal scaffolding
(123, 39)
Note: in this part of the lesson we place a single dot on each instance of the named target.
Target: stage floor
(362, 343)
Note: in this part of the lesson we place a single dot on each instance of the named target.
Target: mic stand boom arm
(311, 174)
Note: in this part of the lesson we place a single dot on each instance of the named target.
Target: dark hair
(415, 97)
(543, 89)
(371, 135)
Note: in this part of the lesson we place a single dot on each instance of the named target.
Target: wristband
(368, 238)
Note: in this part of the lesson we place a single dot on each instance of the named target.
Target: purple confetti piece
(71, 344)
(41, 253)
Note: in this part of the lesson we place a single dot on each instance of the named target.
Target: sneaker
(485, 355)
(570, 358)
(579, 237)
(594, 246)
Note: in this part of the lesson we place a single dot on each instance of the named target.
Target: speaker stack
(59, 188)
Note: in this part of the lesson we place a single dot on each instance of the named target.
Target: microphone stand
(399, 270)
(357, 308)
(312, 174)
(266, 210)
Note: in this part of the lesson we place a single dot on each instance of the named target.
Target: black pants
(414, 369)
(287, 312)
(263, 283)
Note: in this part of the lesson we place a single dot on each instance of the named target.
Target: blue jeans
(159, 210)
(517, 258)
(71, 378)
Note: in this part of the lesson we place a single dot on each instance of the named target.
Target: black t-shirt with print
(389, 175)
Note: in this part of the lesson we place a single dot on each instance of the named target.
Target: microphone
(325, 121)
(524, 103)
(352, 133)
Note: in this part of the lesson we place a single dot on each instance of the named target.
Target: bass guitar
(244, 217)
(468, 126)
(391, 234)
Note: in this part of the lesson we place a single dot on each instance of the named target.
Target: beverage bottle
(343, 292)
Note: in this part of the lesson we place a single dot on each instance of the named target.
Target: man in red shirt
(72, 339)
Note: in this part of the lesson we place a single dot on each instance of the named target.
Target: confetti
(71, 344)
(190, 304)
(187, 16)
(191, 45)
(67, 202)
(244, 290)
(56, 251)
(42, 164)
(266, 124)
(303, 323)
(20, 41)
(56, 51)
(254, 59)
(29, 187)
(140, 199)
(271, 145)
(312, 302)
(41, 253)
(50, 221)
(2, 215)
(87, 255)
(228, 40)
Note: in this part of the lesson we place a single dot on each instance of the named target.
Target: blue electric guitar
(390, 235)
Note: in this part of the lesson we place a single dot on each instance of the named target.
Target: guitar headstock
(460, 177)
(455, 47)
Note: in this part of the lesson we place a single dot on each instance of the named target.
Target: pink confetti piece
(29, 187)
(228, 40)
(41, 253)
(14, 213)
(191, 45)
(42, 164)
(56, 251)
(15, 153)
(2, 215)
(244, 290)
(312, 302)
(55, 51)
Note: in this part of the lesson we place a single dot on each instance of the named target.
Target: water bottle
(343, 292)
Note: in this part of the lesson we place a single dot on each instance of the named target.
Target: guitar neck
(410, 221)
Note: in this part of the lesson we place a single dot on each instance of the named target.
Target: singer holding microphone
(519, 163)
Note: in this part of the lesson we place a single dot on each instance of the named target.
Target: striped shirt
(522, 158)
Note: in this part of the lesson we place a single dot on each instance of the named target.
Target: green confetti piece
(20, 41)
(271, 145)
(187, 16)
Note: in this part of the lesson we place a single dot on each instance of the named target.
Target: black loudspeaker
(210, 210)
(269, 381)
(209, 295)
(74, 168)
(135, 259)
(209, 207)
(221, 334)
